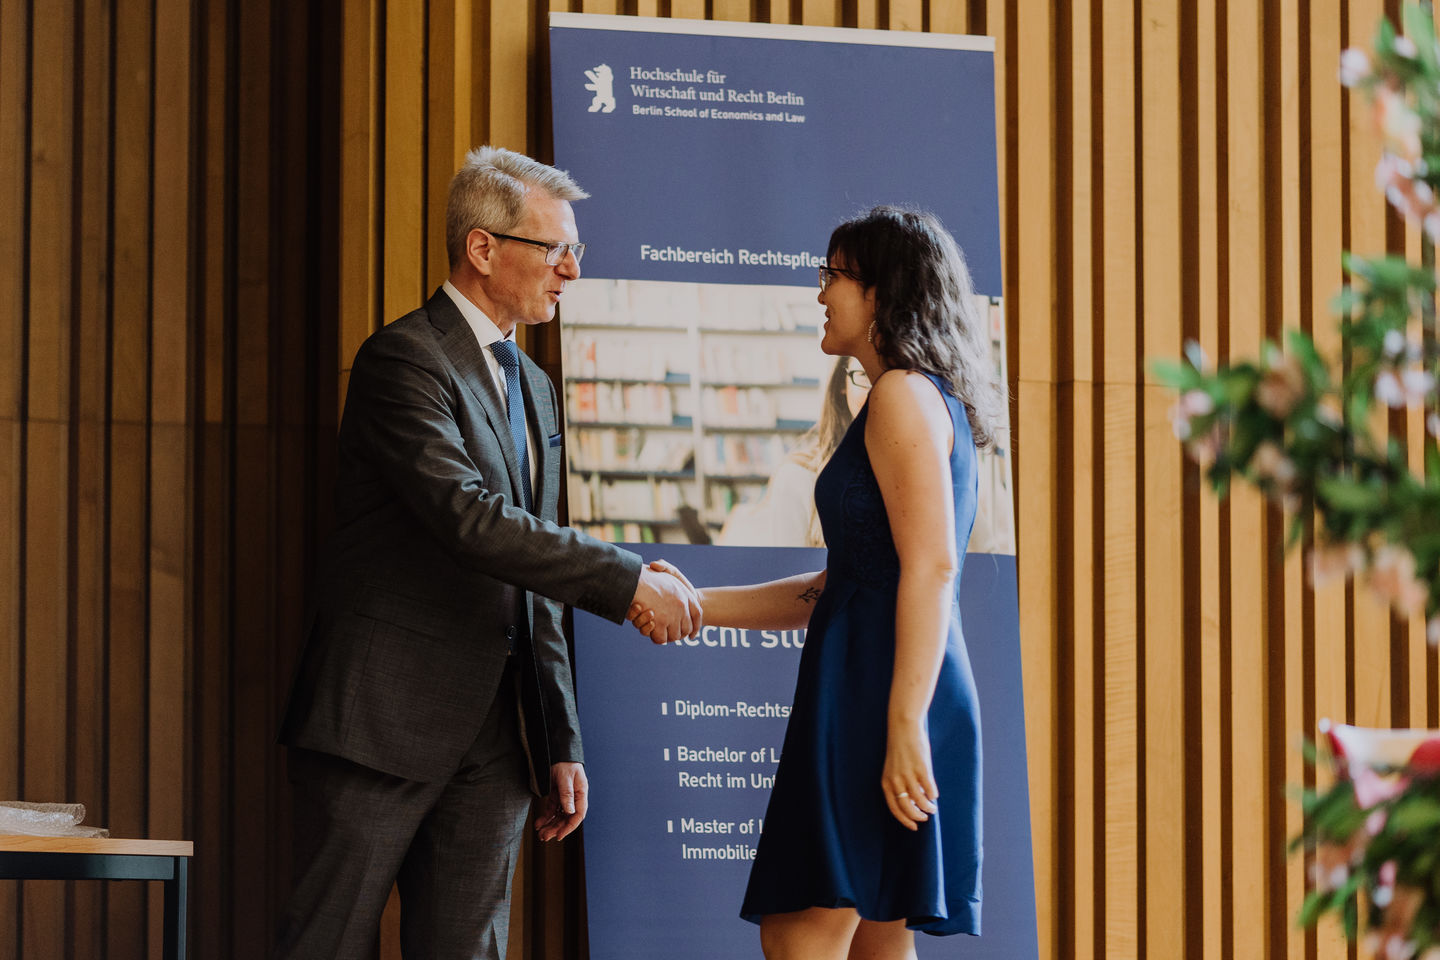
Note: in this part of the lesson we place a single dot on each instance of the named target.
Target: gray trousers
(451, 845)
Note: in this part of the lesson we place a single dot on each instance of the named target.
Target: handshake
(666, 607)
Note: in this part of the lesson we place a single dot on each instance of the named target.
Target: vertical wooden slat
(1164, 674)
(255, 546)
(1370, 668)
(1211, 854)
(906, 15)
(1288, 681)
(88, 463)
(1327, 138)
(1118, 475)
(14, 163)
(1250, 554)
(1031, 301)
(47, 462)
(449, 106)
(723, 10)
(949, 17)
(359, 138)
(510, 45)
(1079, 911)
(210, 873)
(404, 198)
(820, 13)
(168, 559)
(127, 505)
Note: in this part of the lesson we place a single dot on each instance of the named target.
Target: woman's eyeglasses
(858, 378)
(828, 274)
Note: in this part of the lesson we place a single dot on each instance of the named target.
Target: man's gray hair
(488, 193)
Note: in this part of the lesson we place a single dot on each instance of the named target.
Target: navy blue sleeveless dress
(828, 839)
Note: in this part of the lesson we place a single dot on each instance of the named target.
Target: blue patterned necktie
(509, 358)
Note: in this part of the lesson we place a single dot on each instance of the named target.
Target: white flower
(1394, 343)
(1180, 423)
(1405, 47)
(1417, 384)
(1432, 424)
(1192, 403)
(1432, 631)
(1354, 67)
(1388, 390)
(1400, 949)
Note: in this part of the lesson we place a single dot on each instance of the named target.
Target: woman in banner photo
(785, 516)
(873, 827)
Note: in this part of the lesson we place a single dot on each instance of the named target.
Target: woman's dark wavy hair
(926, 317)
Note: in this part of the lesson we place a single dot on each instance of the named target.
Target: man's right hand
(673, 604)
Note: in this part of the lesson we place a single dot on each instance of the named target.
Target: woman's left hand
(908, 781)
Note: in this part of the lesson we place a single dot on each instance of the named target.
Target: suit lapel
(468, 357)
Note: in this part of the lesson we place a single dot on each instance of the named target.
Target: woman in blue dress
(873, 826)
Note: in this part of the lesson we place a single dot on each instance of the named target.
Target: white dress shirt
(487, 333)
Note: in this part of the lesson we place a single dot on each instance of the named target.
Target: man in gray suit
(434, 694)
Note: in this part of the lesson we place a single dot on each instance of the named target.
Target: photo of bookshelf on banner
(702, 413)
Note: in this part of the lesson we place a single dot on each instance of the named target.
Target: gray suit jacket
(435, 570)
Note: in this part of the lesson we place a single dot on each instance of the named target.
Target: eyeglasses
(858, 378)
(828, 274)
(555, 251)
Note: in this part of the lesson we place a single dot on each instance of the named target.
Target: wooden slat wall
(162, 302)
(206, 205)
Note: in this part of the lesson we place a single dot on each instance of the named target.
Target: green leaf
(1349, 496)
(1420, 25)
(1174, 374)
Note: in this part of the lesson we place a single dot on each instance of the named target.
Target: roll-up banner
(699, 408)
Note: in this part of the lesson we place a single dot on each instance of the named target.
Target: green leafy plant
(1300, 426)
(1307, 431)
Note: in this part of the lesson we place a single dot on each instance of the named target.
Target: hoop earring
(870, 333)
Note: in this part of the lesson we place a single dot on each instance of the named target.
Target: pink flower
(1392, 576)
(1281, 387)
(1332, 562)
(1204, 449)
(1372, 787)
(1270, 463)
(1192, 403)
(1398, 124)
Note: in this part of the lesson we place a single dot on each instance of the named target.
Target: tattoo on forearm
(810, 595)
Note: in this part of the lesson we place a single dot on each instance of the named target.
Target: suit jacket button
(509, 633)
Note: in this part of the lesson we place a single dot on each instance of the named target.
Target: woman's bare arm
(909, 436)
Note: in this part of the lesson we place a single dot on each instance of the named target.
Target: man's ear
(478, 250)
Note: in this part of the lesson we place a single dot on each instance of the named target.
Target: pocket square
(555, 440)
